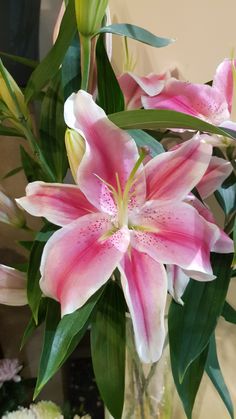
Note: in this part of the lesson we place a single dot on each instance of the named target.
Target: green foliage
(229, 313)
(31, 167)
(70, 71)
(188, 387)
(155, 119)
(214, 372)
(137, 33)
(33, 290)
(142, 139)
(108, 348)
(47, 69)
(110, 96)
(52, 129)
(62, 336)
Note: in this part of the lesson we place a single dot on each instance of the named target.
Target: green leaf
(47, 69)
(110, 96)
(33, 290)
(137, 33)
(71, 68)
(143, 139)
(21, 60)
(9, 132)
(229, 313)
(108, 348)
(61, 338)
(188, 387)
(191, 325)
(214, 372)
(31, 168)
(226, 198)
(154, 119)
(52, 129)
(32, 326)
(12, 172)
(26, 244)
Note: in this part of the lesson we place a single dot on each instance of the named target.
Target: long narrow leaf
(137, 33)
(110, 96)
(229, 313)
(62, 338)
(142, 139)
(214, 372)
(33, 290)
(155, 119)
(191, 325)
(188, 387)
(52, 129)
(50, 64)
(108, 348)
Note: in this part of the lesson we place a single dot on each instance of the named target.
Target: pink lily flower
(210, 103)
(178, 278)
(134, 87)
(123, 214)
(12, 287)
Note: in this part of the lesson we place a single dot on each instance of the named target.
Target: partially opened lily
(123, 214)
(211, 103)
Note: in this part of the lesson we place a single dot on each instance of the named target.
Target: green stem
(85, 43)
(38, 153)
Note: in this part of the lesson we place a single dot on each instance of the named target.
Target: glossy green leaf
(214, 372)
(155, 119)
(61, 337)
(52, 129)
(33, 290)
(188, 387)
(108, 348)
(31, 167)
(21, 60)
(47, 69)
(137, 33)
(110, 96)
(191, 325)
(32, 326)
(226, 198)
(71, 68)
(229, 313)
(142, 139)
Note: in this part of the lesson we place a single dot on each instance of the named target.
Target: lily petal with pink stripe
(123, 215)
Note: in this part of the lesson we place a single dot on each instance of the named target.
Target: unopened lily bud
(75, 147)
(89, 15)
(11, 94)
(12, 287)
(10, 213)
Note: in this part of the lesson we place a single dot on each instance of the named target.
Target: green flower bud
(89, 15)
(11, 94)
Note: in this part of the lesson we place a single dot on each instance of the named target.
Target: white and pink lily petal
(217, 172)
(177, 282)
(12, 286)
(134, 87)
(223, 244)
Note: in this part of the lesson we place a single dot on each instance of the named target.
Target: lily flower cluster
(127, 214)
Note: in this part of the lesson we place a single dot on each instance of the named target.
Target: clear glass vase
(147, 386)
